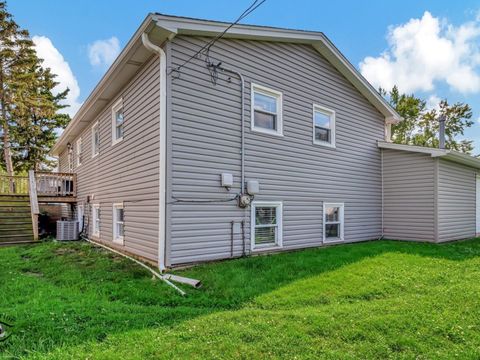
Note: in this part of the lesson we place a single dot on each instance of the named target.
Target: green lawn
(372, 300)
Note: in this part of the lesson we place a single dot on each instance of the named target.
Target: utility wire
(194, 201)
(208, 45)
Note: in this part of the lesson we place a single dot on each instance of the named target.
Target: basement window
(95, 140)
(79, 151)
(118, 223)
(118, 121)
(323, 126)
(96, 220)
(333, 219)
(266, 110)
(266, 219)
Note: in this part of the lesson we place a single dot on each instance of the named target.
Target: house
(266, 140)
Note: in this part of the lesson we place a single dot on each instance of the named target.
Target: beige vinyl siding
(205, 131)
(409, 195)
(128, 171)
(63, 162)
(456, 201)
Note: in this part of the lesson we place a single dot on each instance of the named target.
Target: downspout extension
(163, 148)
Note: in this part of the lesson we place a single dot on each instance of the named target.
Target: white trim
(331, 114)
(95, 212)
(95, 126)
(341, 221)
(272, 93)
(388, 132)
(162, 187)
(115, 107)
(413, 148)
(78, 152)
(279, 213)
(117, 238)
(451, 155)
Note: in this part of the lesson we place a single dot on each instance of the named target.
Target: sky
(429, 48)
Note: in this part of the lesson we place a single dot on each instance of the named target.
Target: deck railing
(48, 184)
(56, 184)
(13, 185)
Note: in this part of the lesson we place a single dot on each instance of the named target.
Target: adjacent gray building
(267, 139)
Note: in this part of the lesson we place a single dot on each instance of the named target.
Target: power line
(208, 45)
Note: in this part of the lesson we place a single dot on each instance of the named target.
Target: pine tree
(29, 115)
(37, 119)
(16, 53)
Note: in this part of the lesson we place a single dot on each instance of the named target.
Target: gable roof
(161, 28)
(446, 154)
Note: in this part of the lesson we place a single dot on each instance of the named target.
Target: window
(79, 152)
(266, 110)
(118, 225)
(96, 220)
(95, 140)
(333, 222)
(80, 214)
(323, 126)
(266, 225)
(117, 122)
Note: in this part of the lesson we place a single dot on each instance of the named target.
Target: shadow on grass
(67, 294)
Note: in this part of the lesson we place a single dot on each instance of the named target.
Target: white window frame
(95, 228)
(341, 221)
(95, 128)
(80, 215)
(269, 92)
(117, 238)
(117, 106)
(279, 209)
(78, 151)
(330, 113)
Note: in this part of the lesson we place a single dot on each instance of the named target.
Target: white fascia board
(70, 131)
(446, 154)
(410, 148)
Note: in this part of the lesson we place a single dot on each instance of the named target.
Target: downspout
(242, 150)
(163, 149)
(383, 196)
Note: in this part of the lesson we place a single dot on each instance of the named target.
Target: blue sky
(431, 48)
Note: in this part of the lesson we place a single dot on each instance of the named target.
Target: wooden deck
(20, 197)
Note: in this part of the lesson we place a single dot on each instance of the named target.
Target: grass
(379, 300)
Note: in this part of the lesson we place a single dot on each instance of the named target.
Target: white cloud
(54, 60)
(425, 51)
(433, 102)
(103, 52)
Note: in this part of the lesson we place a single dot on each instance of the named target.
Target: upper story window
(95, 140)
(266, 110)
(323, 126)
(118, 121)
(333, 219)
(78, 147)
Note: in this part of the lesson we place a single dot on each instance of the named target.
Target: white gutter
(163, 149)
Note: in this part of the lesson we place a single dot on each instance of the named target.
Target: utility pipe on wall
(242, 150)
(163, 149)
